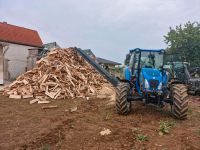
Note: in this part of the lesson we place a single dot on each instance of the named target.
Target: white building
(19, 48)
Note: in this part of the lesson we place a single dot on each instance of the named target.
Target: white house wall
(17, 56)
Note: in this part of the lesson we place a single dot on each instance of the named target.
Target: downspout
(4, 48)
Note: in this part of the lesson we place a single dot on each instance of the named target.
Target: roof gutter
(19, 43)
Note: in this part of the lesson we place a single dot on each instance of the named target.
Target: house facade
(18, 50)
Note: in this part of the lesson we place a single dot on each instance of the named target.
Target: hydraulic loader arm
(114, 81)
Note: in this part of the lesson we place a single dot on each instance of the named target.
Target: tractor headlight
(160, 86)
(146, 84)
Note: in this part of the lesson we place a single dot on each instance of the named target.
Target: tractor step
(168, 101)
(134, 98)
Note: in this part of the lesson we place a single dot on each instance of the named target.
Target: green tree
(185, 40)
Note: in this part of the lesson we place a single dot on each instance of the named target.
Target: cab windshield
(151, 60)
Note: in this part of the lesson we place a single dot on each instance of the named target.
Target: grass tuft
(45, 147)
(165, 127)
(142, 138)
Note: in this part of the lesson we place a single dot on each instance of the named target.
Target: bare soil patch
(25, 126)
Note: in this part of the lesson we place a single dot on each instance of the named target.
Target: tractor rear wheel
(180, 101)
(122, 105)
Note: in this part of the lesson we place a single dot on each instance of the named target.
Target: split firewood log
(61, 74)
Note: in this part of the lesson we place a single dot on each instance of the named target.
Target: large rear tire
(180, 101)
(123, 107)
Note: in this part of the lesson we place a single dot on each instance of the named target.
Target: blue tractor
(147, 80)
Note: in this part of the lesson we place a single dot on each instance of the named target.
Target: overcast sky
(109, 27)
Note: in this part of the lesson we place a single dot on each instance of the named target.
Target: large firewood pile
(61, 74)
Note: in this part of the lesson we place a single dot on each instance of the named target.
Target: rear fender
(176, 82)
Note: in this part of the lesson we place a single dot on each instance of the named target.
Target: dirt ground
(24, 126)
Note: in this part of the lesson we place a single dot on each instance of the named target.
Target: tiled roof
(19, 35)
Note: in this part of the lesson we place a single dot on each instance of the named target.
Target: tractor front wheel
(122, 105)
(180, 101)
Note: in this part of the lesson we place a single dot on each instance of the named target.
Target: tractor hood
(152, 74)
(153, 79)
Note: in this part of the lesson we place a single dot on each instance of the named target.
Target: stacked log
(61, 74)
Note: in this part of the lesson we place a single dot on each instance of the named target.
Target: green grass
(45, 147)
(142, 138)
(138, 136)
(165, 127)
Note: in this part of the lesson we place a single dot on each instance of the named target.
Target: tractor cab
(146, 69)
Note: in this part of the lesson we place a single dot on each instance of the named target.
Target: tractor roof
(147, 50)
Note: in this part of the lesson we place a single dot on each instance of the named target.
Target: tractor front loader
(146, 80)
